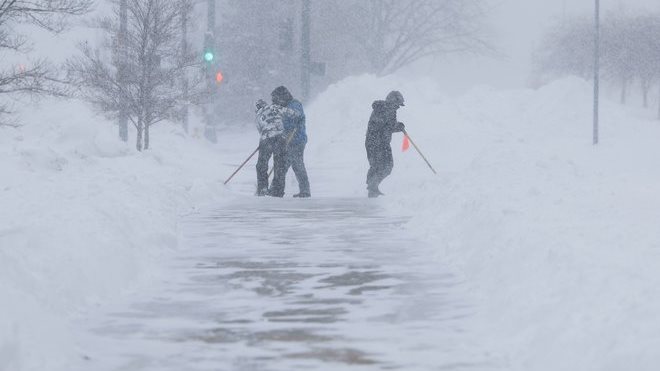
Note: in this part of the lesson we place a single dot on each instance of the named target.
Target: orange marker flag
(406, 143)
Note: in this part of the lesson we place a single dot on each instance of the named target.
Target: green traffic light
(208, 56)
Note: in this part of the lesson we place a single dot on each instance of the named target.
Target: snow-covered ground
(557, 239)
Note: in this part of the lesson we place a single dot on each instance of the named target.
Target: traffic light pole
(210, 23)
(305, 44)
(209, 41)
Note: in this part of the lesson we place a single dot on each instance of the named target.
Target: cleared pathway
(319, 284)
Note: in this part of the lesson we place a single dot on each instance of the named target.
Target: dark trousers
(271, 147)
(296, 160)
(380, 164)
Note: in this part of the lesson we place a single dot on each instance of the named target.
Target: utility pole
(596, 72)
(121, 70)
(305, 44)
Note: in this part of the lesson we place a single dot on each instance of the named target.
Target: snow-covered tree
(142, 74)
(35, 77)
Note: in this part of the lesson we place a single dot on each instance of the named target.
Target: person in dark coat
(382, 124)
(296, 134)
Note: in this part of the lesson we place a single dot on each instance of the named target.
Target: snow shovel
(243, 164)
(420, 152)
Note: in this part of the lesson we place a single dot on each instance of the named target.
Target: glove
(400, 126)
(261, 104)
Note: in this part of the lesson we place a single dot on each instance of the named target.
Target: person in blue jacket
(296, 134)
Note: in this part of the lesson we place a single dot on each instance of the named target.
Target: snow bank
(84, 217)
(558, 238)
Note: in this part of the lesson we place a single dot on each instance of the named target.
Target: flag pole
(419, 151)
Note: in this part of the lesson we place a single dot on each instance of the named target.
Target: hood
(379, 105)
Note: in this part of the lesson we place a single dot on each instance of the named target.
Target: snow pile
(83, 218)
(559, 239)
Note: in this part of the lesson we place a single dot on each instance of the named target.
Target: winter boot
(273, 193)
(261, 192)
(374, 192)
(302, 195)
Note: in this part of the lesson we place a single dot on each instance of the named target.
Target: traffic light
(209, 48)
(209, 56)
(212, 71)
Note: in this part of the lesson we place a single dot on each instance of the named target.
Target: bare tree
(567, 49)
(630, 51)
(38, 77)
(619, 42)
(646, 53)
(151, 61)
(185, 50)
(396, 33)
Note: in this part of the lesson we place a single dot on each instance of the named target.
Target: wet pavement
(319, 284)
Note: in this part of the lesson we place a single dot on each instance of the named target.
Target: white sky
(517, 26)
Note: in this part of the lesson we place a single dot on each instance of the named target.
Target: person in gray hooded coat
(382, 123)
